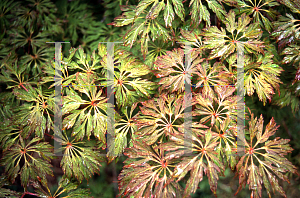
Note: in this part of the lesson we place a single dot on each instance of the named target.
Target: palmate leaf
(13, 73)
(286, 30)
(173, 71)
(199, 12)
(161, 117)
(79, 160)
(35, 157)
(169, 8)
(198, 156)
(289, 95)
(147, 28)
(225, 134)
(238, 33)
(36, 113)
(147, 173)
(194, 37)
(215, 106)
(208, 76)
(264, 159)
(65, 186)
(293, 5)
(124, 126)
(262, 76)
(261, 11)
(292, 54)
(85, 115)
(130, 81)
(86, 64)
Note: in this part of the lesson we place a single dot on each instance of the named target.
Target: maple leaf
(201, 158)
(262, 75)
(14, 74)
(35, 157)
(79, 160)
(199, 12)
(36, 113)
(286, 30)
(264, 159)
(124, 126)
(65, 185)
(193, 37)
(292, 54)
(85, 115)
(238, 33)
(157, 7)
(225, 134)
(261, 11)
(162, 117)
(171, 68)
(129, 79)
(147, 173)
(215, 106)
(147, 28)
(210, 76)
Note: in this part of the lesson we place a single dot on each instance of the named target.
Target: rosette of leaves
(264, 160)
(261, 11)
(129, 83)
(76, 17)
(80, 159)
(84, 110)
(262, 76)
(147, 28)
(208, 76)
(163, 117)
(197, 156)
(225, 134)
(86, 65)
(13, 73)
(36, 114)
(216, 106)
(174, 71)
(236, 36)
(65, 185)
(147, 173)
(29, 160)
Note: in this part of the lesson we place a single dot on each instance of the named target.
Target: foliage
(172, 141)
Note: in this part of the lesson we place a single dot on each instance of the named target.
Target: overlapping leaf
(86, 113)
(264, 161)
(261, 11)
(35, 157)
(216, 106)
(163, 117)
(147, 173)
(238, 34)
(262, 76)
(200, 157)
(173, 70)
